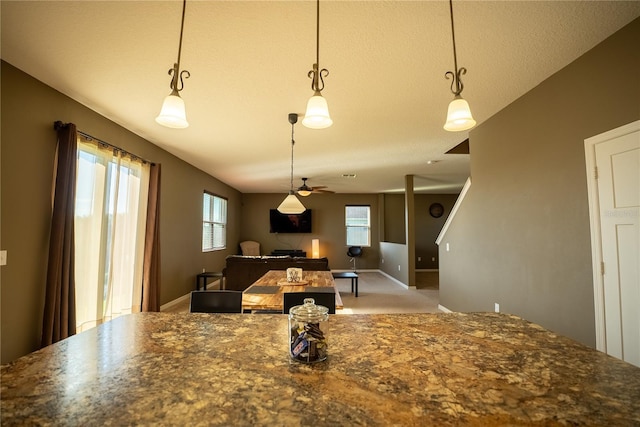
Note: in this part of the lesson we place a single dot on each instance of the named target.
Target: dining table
(266, 293)
(423, 369)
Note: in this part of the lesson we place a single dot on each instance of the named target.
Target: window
(110, 217)
(214, 222)
(358, 223)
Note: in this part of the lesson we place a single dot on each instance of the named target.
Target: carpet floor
(427, 280)
(379, 294)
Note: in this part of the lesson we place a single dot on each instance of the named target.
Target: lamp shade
(315, 248)
(172, 114)
(317, 115)
(291, 205)
(459, 116)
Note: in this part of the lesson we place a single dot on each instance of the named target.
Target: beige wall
(29, 109)
(395, 223)
(427, 228)
(394, 261)
(327, 226)
(521, 237)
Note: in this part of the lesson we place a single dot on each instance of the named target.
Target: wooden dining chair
(291, 299)
(216, 302)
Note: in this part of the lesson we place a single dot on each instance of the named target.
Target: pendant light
(173, 114)
(459, 114)
(291, 204)
(317, 115)
(304, 190)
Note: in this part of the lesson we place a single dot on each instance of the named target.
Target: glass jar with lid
(308, 332)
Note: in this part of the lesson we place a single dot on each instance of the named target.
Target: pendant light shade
(172, 114)
(317, 115)
(291, 205)
(459, 115)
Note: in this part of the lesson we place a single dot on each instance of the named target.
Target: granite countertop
(387, 369)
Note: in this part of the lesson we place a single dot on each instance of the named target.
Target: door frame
(594, 220)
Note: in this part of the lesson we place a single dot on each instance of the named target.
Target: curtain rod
(58, 124)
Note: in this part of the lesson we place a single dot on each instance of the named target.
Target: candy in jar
(308, 332)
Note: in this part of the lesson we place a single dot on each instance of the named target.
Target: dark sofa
(241, 271)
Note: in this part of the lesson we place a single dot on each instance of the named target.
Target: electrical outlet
(496, 307)
(383, 260)
(398, 267)
(3, 257)
(419, 258)
(447, 247)
(433, 259)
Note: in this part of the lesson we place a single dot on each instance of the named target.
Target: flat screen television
(289, 223)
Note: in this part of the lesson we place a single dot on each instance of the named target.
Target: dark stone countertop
(387, 369)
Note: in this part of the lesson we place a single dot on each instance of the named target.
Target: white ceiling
(249, 60)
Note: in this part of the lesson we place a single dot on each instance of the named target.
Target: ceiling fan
(305, 190)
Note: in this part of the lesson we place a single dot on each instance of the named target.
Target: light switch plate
(3, 257)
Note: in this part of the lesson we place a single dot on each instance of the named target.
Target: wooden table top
(266, 292)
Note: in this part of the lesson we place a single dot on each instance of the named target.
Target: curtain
(151, 274)
(59, 307)
(110, 217)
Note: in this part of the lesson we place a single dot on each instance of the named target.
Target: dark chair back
(216, 302)
(327, 299)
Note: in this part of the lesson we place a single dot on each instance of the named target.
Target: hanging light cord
(456, 84)
(316, 75)
(175, 71)
(318, 32)
(292, 144)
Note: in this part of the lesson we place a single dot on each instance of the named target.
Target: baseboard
(390, 277)
(427, 270)
(444, 309)
(374, 270)
(185, 298)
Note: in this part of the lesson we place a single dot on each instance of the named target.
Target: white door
(615, 206)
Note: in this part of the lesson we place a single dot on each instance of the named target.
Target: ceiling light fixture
(173, 114)
(304, 190)
(291, 204)
(317, 115)
(459, 114)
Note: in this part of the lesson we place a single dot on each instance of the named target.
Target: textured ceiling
(249, 60)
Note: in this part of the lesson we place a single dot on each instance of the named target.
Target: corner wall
(521, 237)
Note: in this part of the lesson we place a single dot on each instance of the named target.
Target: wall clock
(436, 210)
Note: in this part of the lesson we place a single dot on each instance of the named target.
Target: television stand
(290, 252)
